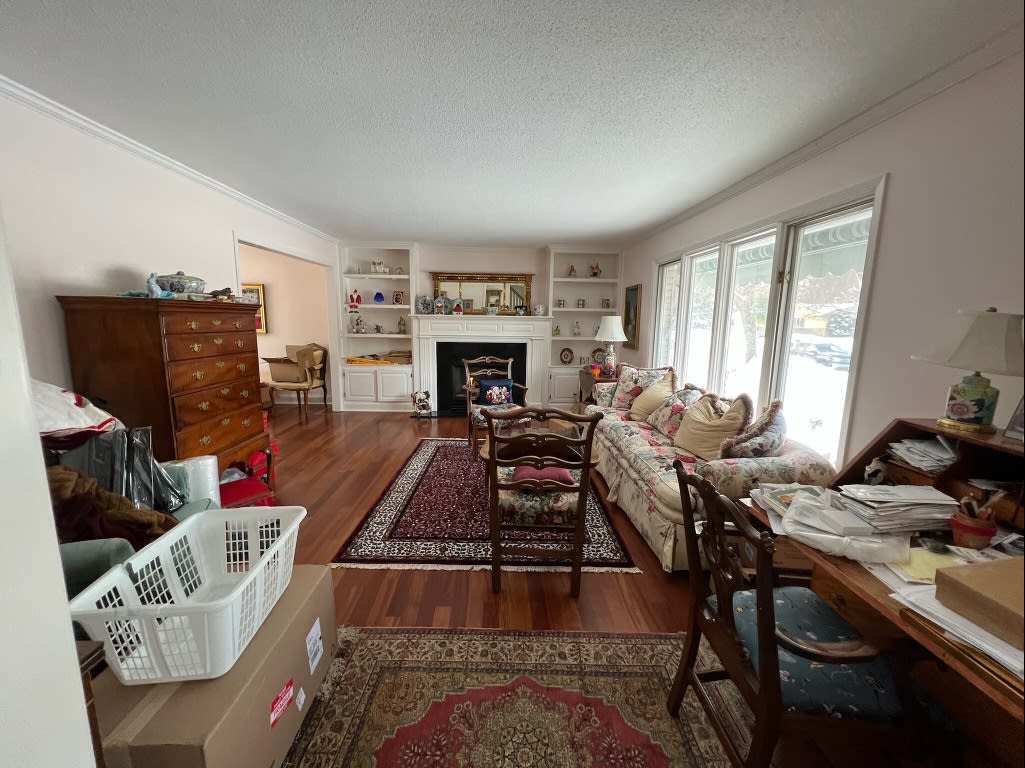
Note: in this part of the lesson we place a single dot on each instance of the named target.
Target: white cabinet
(377, 292)
(584, 285)
(563, 385)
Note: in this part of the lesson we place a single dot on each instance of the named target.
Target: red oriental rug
(460, 698)
(434, 515)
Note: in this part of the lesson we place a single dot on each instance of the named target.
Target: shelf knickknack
(495, 289)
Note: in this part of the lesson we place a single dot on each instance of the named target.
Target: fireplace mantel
(535, 332)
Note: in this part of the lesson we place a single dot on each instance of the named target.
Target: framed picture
(255, 291)
(632, 315)
(1016, 426)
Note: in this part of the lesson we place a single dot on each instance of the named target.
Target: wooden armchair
(489, 384)
(805, 673)
(301, 370)
(539, 476)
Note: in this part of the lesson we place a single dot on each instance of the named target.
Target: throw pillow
(667, 416)
(708, 422)
(765, 436)
(65, 418)
(652, 397)
(558, 474)
(633, 381)
(494, 391)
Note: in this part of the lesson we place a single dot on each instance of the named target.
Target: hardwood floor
(339, 464)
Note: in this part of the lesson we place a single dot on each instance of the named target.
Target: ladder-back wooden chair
(539, 464)
(489, 384)
(806, 674)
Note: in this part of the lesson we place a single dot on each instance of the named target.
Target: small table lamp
(988, 341)
(610, 331)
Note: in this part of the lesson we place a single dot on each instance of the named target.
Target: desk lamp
(988, 341)
(610, 331)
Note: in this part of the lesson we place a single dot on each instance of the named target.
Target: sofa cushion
(652, 397)
(667, 416)
(708, 422)
(633, 381)
(765, 436)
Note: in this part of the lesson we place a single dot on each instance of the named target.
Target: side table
(587, 382)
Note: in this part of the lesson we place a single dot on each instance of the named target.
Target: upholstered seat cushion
(535, 509)
(478, 417)
(864, 689)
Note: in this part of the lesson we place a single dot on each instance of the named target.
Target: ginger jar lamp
(610, 331)
(984, 341)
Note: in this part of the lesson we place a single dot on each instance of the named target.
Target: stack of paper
(777, 496)
(933, 455)
(900, 508)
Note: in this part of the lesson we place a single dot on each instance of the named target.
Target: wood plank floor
(339, 464)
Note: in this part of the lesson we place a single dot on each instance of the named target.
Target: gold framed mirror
(477, 291)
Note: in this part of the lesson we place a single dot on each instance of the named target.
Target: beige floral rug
(426, 698)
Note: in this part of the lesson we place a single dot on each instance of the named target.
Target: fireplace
(450, 398)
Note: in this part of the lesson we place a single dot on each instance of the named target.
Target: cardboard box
(989, 594)
(249, 716)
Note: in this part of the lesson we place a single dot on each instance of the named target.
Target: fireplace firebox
(450, 398)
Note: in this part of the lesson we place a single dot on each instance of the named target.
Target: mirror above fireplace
(480, 290)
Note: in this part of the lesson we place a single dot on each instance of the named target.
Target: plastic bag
(806, 521)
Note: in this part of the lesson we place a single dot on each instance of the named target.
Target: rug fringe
(482, 567)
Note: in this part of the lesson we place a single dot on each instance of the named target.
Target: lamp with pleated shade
(987, 341)
(610, 331)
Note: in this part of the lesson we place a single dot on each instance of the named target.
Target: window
(773, 314)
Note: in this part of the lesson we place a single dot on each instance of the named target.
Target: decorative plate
(424, 305)
(597, 355)
(566, 356)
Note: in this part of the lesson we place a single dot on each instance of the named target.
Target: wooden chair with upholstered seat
(301, 370)
(489, 384)
(811, 682)
(539, 464)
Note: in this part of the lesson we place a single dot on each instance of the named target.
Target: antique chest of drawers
(187, 369)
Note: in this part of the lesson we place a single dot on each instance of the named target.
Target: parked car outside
(830, 354)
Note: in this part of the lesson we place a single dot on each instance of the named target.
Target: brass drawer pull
(241, 367)
(218, 341)
(238, 323)
(195, 347)
(204, 406)
(215, 322)
(226, 421)
(246, 422)
(204, 440)
(225, 391)
(219, 363)
(244, 393)
(239, 343)
(198, 375)
(193, 324)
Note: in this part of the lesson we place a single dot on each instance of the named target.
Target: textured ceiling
(487, 122)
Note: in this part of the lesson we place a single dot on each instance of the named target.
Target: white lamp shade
(989, 342)
(611, 329)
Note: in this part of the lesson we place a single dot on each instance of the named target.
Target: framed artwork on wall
(255, 291)
(632, 315)
(1016, 426)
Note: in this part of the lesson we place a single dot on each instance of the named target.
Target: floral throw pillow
(765, 436)
(633, 381)
(494, 391)
(666, 418)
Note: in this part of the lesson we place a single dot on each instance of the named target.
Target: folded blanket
(84, 511)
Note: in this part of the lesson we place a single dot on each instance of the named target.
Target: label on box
(314, 645)
(281, 702)
(300, 699)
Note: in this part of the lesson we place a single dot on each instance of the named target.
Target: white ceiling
(486, 122)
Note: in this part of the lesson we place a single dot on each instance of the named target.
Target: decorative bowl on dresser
(188, 369)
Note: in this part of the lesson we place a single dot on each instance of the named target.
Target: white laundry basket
(185, 606)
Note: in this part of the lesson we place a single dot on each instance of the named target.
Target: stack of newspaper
(830, 514)
(900, 508)
(932, 455)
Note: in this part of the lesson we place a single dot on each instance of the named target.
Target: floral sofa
(636, 459)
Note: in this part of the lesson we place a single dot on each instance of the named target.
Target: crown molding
(1004, 45)
(52, 109)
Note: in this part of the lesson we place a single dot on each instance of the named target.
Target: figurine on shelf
(354, 321)
(572, 271)
(378, 328)
(576, 328)
(556, 331)
(457, 308)
(596, 269)
(361, 325)
(355, 300)
(402, 325)
(152, 288)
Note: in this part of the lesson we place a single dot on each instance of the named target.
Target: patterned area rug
(446, 698)
(435, 515)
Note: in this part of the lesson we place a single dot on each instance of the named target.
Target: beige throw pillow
(651, 398)
(708, 422)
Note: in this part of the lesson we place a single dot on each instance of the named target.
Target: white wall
(950, 236)
(297, 297)
(42, 717)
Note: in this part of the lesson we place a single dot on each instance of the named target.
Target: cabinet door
(360, 384)
(562, 386)
(393, 385)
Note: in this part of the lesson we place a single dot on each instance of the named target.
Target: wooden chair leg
(496, 545)
(683, 673)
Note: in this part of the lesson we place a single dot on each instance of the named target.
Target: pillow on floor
(667, 416)
(633, 381)
(765, 436)
(709, 421)
(652, 397)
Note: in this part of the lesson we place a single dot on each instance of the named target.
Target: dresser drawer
(190, 375)
(195, 407)
(213, 435)
(187, 346)
(203, 322)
